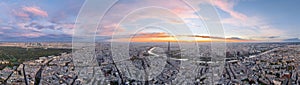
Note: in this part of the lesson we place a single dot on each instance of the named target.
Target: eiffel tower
(168, 46)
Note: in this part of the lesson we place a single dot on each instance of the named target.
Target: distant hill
(292, 40)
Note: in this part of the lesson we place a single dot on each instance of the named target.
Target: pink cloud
(36, 11)
(31, 35)
(228, 7)
(68, 26)
(20, 14)
(110, 29)
(68, 31)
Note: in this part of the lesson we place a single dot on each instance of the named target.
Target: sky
(152, 20)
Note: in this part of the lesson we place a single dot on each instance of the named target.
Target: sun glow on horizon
(163, 37)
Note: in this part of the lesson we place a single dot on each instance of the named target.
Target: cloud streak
(228, 7)
(20, 14)
(36, 11)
